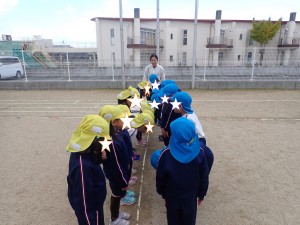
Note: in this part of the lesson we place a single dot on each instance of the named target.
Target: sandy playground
(254, 134)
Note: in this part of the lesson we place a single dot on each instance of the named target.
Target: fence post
(253, 63)
(24, 64)
(205, 61)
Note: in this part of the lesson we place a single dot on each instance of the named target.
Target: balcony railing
(136, 42)
(289, 42)
(219, 42)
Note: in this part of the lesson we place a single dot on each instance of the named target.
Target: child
(182, 174)
(186, 111)
(117, 165)
(86, 180)
(141, 120)
(167, 114)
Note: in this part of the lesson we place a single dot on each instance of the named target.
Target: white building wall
(237, 56)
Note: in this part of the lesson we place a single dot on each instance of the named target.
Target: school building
(219, 42)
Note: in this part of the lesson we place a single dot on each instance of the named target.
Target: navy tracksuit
(180, 185)
(86, 188)
(117, 166)
(167, 116)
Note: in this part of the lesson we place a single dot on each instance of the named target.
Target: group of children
(182, 165)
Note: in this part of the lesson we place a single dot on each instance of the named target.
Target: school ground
(254, 135)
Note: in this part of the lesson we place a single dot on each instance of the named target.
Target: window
(184, 37)
(112, 36)
(239, 57)
(241, 36)
(147, 36)
(250, 41)
(171, 58)
(171, 36)
(112, 33)
(249, 57)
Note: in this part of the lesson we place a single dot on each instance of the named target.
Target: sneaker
(126, 200)
(134, 178)
(133, 171)
(161, 137)
(124, 215)
(130, 194)
(136, 157)
(131, 182)
(119, 221)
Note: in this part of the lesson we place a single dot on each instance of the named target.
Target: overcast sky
(70, 20)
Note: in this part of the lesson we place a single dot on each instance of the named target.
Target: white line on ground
(141, 185)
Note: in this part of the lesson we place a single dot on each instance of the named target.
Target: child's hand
(199, 201)
(125, 188)
(164, 132)
(103, 155)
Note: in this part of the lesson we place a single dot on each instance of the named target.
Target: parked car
(10, 66)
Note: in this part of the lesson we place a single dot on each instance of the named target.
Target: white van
(10, 66)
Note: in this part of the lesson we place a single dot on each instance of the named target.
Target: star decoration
(105, 144)
(154, 104)
(155, 85)
(135, 101)
(147, 89)
(126, 122)
(175, 104)
(165, 99)
(149, 127)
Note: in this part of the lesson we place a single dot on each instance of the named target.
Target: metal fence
(241, 64)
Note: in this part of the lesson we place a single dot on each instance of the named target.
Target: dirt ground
(254, 134)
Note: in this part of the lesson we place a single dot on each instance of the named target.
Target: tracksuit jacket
(180, 184)
(86, 188)
(117, 165)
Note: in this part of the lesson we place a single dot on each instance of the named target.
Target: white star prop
(105, 144)
(154, 104)
(147, 89)
(135, 101)
(175, 104)
(155, 85)
(165, 99)
(126, 122)
(149, 127)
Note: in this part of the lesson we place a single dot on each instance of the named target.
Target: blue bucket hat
(169, 89)
(155, 158)
(156, 98)
(185, 99)
(184, 142)
(166, 82)
(152, 78)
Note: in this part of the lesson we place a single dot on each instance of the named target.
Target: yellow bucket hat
(149, 112)
(141, 119)
(89, 127)
(133, 91)
(125, 109)
(142, 84)
(111, 112)
(124, 94)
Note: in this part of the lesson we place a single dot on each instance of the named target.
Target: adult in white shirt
(154, 68)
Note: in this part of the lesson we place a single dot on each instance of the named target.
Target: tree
(262, 32)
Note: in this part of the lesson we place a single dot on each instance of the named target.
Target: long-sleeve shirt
(176, 180)
(86, 188)
(158, 70)
(117, 165)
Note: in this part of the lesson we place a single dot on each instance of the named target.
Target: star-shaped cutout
(165, 99)
(135, 101)
(147, 89)
(154, 104)
(155, 85)
(175, 104)
(126, 122)
(105, 144)
(149, 127)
